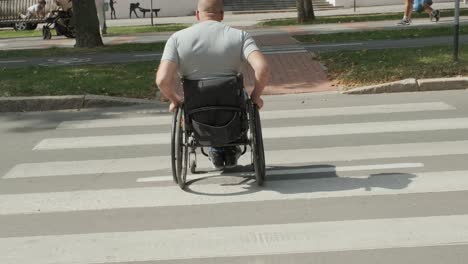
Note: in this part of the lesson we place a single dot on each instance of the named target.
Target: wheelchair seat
(215, 110)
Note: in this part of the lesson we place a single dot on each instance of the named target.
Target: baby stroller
(61, 21)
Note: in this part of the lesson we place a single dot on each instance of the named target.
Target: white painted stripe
(112, 113)
(319, 188)
(13, 61)
(148, 55)
(117, 122)
(356, 110)
(152, 111)
(103, 141)
(367, 128)
(268, 115)
(280, 157)
(268, 133)
(293, 171)
(237, 241)
(88, 167)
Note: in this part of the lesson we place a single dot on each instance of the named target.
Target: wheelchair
(216, 113)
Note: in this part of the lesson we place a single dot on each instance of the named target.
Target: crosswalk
(327, 194)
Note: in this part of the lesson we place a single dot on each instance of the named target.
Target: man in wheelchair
(210, 50)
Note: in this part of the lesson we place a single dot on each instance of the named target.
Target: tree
(305, 11)
(86, 24)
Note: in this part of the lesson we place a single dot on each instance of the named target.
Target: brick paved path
(291, 72)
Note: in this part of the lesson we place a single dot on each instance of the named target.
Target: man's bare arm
(262, 74)
(166, 82)
(41, 13)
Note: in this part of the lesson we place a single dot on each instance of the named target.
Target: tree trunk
(309, 10)
(86, 24)
(305, 11)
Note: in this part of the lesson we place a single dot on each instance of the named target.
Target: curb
(50, 103)
(413, 85)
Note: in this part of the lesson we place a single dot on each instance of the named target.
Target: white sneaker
(404, 22)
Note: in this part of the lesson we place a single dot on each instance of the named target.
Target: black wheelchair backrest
(215, 108)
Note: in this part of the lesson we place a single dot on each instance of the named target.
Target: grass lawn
(11, 33)
(145, 29)
(356, 18)
(129, 80)
(348, 68)
(54, 52)
(403, 33)
(112, 31)
(359, 68)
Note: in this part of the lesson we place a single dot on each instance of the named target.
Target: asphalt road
(351, 179)
(109, 58)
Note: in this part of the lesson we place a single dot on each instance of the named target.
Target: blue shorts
(418, 5)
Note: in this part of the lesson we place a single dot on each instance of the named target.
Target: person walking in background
(111, 5)
(101, 12)
(419, 6)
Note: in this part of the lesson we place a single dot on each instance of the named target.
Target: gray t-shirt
(209, 49)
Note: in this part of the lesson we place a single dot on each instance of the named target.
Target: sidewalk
(60, 42)
(248, 20)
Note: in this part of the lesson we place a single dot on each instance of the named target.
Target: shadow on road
(296, 180)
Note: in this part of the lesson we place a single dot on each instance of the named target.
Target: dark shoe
(231, 155)
(435, 15)
(217, 158)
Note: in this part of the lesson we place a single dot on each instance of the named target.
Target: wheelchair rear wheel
(179, 149)
(258, 153)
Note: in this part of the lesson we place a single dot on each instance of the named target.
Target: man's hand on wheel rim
(175, 103)
(173, 107)
(258, 101)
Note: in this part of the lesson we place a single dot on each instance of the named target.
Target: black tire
(31, 26)
(173, 146)
(179, 149)
(46, 33)
(21, 26)
(70, 33)
(258, 153)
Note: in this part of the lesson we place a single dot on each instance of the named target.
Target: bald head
(210, 10)
(210, 6)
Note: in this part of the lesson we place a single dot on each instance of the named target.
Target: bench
(145, 10)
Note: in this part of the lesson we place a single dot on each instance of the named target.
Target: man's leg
(216, 155)
(231, 155)
(433, 14)
(224, 157)
(101, 15)
(407, 14)
(428, 9)
(408, 9)
(28, 15)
